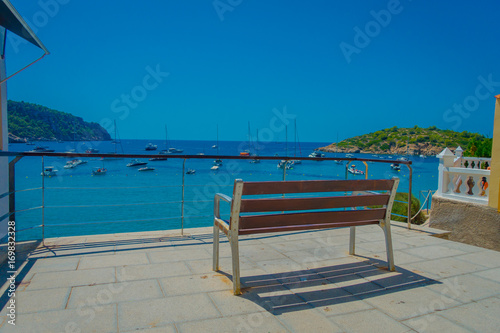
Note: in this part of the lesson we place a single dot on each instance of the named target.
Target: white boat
(190, 172)
(174, 150)
(349, 155)
(49, 171)
(69, 165)
(99, 171)
(352, 169)
(422, 156)
(402, 159)
(338, 161)
(151, 146)
(395, 167)
(317, 154)
(136, 162)
(215, 167)
(214, 147)
(160, 158)
(285, 164)
(92, 151)
(147, 169)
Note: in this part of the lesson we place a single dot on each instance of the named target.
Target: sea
(126, 200)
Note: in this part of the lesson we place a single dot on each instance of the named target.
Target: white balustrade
(461, 177)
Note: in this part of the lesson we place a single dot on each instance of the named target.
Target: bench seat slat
(309, 218)
(290, 204)
(310, 186)
(306, 227)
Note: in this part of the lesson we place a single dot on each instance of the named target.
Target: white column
(446, 160)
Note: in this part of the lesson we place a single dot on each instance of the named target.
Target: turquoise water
(142, 201)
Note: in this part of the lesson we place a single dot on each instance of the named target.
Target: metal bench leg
(352, 240)
(386, 226)
(216, 248)
(236, 264)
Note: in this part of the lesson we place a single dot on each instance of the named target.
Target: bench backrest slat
(290, 204)
(311, 186)
(279, 220)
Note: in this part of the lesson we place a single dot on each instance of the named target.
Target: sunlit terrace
(306, 281)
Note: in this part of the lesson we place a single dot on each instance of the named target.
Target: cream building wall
(495, 159)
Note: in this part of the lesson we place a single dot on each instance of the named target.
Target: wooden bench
(349, 208)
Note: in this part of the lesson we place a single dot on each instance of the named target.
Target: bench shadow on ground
(327, 286)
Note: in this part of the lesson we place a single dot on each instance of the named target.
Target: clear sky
(338, 67)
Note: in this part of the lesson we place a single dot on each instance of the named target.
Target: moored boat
(136, 162)
(49, 171)
(147, 169)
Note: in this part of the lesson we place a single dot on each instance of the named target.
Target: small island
(33, 122)
(413, 141)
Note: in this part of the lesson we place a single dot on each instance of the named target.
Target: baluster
(483, 187)
(470, 185)
(457, 182)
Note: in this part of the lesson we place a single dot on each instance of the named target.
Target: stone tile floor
(293, 282)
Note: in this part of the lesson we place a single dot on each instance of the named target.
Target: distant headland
(413, 141)
(33, 122)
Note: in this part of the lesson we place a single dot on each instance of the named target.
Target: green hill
(414, 141)
(33, 122)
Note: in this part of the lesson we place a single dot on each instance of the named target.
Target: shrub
(402, 208)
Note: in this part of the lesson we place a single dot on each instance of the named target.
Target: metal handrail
(19, 155)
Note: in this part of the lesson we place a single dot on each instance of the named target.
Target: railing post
(409, 194)
(284, 170)
(12, 188)
(182, 203)
(43, 202)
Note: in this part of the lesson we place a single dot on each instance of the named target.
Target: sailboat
(170, 150)
(115, 142)
(218, 161)
(255, 147)
(162, 152)
(296, 137)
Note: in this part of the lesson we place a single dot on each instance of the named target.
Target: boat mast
(166, 138)
(286, 140)
(115, 135)
(217, 139)
(295, 138)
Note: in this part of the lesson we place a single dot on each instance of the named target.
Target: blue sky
(338, 67)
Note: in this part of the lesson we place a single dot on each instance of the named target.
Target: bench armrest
(217, 198)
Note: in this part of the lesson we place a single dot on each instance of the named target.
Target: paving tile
(72, 278)
(260, 253)
(162, 311)
(114, 292)
(100, 319)
(182, 285)
(481, 316)
(407, 303)
(178, 255)
(344, 305)
(113, 260)
(368, 321)
(434, 324)
(461, 246)
(54, 264)
(39, 300)
(204, 266)
(433, 252)
(400, 257)
(254, 322)
(492, 274)
(422, 240)
(444, 267)
(466, 288)
(151, 271)
(162, 329)
(486, 258)
(297, 245)
(310, 320)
